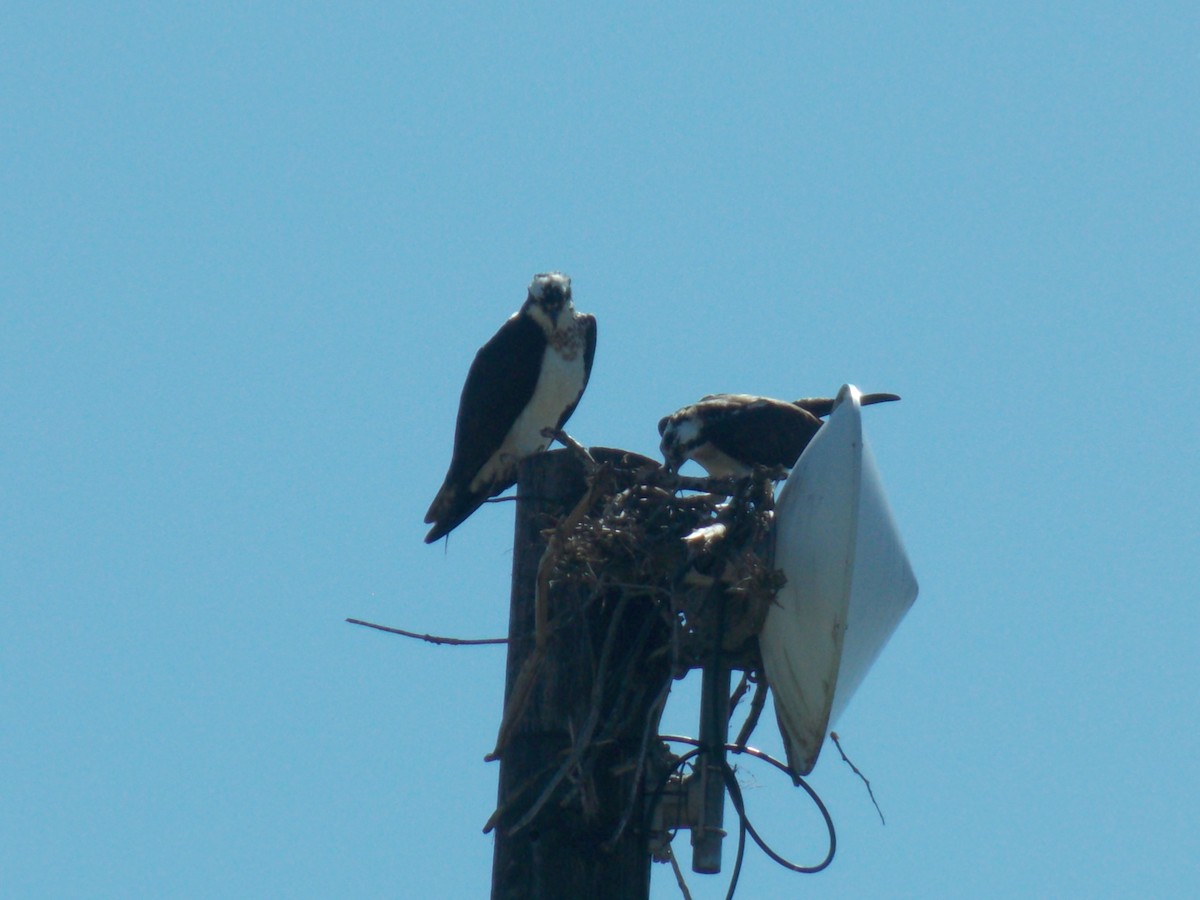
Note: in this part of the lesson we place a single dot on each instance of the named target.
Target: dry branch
(430, 638)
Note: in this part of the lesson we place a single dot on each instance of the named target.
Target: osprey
(528, 377)
(729, 434)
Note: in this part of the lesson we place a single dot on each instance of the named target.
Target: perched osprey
(529, 376)
(729, 434)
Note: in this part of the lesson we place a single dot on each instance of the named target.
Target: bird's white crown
(537, 288)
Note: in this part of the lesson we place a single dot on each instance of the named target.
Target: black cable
(735, 794)
(737, 860)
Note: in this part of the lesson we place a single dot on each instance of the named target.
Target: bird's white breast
(687, 434)
(718, 463)
(558, 386)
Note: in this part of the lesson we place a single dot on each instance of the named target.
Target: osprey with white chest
(729, 434)
(527, 378)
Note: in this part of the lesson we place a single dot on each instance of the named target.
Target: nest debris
(687, 556)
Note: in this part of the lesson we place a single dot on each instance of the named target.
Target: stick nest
(702, 559)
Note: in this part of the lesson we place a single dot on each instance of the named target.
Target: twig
(651, 727)
(429, 638)
(573, 445)
(541, 602)
(526, 678)
(846, 759)
(578, 748)
(739, 692)
(756, 707)
(583, 739)
(498, 814)
(687, 895)
(725, 485)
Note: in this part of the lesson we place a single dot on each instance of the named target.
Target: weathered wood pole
(563, 853)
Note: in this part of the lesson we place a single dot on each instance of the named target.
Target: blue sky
(249, 253)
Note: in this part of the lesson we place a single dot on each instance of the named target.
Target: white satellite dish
(849, 582)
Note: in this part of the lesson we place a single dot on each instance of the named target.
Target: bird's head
(680, 436)
(549, 298)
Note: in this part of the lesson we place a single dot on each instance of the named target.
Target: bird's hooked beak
(672, 457)
(554, 304)
(669, 446)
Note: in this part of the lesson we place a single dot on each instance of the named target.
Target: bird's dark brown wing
(499, 385)
(758, 430)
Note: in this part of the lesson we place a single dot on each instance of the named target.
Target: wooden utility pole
(566, 851)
